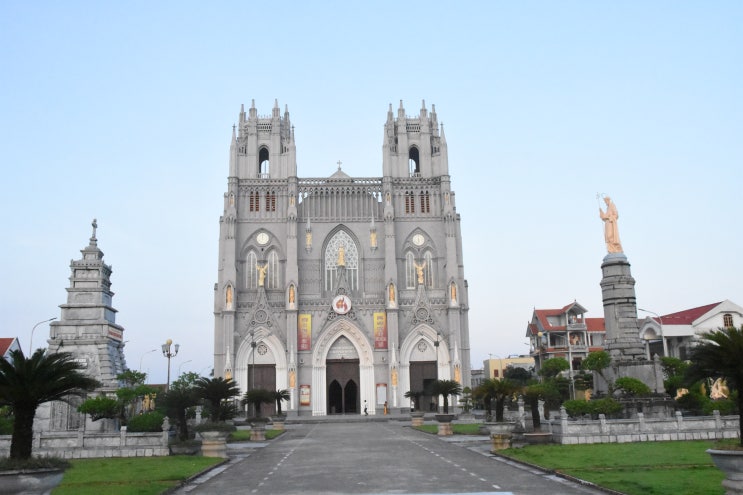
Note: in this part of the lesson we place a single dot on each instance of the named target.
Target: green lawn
(130, 475)
(647, 468)
(244, 435)
(458, 429)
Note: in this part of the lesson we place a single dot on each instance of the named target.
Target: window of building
(263, 163)
(409, 202)
(350, 256)
(727, 320)
(425, 202)
(414, 162)
(428, 270)
(410, 275)
(254, 201)
(251, 273)
(271, 201)
(272, 276)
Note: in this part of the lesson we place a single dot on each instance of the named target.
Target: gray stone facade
(345, 291)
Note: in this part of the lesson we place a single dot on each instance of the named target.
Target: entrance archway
(343, 391)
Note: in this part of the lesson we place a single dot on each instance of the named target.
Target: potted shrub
(217, 394)
(446, 388)
(720, 355)
(280, 396)
(25, 384)
(416, 415)
(256, 398)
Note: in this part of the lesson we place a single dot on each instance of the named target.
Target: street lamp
(142, 357)
(31, 342)
(179, 366)
(660, 322)
(168, 354)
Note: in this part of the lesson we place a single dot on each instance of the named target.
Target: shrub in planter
(577, 408)
(631, 387)
(147, 422)
(606, 406)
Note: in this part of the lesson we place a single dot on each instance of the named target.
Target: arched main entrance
(342, 377)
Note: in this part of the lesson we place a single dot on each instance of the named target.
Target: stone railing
(82, 444)
(639, 429)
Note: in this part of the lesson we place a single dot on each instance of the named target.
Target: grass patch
(646, 468)
(457, 429)
(244, 435)
(130, 475)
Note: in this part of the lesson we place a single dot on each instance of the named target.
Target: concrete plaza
(373, 457)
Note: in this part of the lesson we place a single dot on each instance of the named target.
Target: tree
(279, 396)
(258, 396)
(553, 367)
(720, 355)
(176, 403)
(26, 383)
(517, 374)
(540, 391)
(632, 387)
(496, 390)
(415, 397)
(598, 361)
(446, 388)
(129, 397)
(216, 392)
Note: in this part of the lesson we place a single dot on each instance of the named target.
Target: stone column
(620, 309)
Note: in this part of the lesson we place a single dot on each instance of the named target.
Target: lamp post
(179, 366)
(168, 354)
(660, 322)
(143, 355)
(31, 342)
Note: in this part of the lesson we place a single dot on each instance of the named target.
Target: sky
(123, 112)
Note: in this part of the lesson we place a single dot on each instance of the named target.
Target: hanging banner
(380, 330)
(304, 395)
(304, 332)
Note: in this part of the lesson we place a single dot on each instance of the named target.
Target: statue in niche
(457, 374)
(261, 274)
(419, 271)
(228, 296)
(388, 197)
(392, 293)
(394, 377)
(308, 239)
(446, 197)
(341, 256)
(373, 238)
(292, 379)
(453, 291)
(291, 294)
(611, 229)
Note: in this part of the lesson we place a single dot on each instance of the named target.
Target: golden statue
(419, 271)
(373, 238)
(453, 292)
(292, 379)
(261, 274)
(719, 390)
(341, 256)
(308, 239)
(228, 296)
(611, 230)
(392, 293)
(291, 294)
(394, 377)
(457, 374)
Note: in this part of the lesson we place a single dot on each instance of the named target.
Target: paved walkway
(373, 458)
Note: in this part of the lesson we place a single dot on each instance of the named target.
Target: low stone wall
(82, 444)
(568, 432)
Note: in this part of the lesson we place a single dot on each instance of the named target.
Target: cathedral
(347, 292)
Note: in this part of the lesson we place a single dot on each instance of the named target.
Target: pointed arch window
(263, 163)
(254, 201)
(425, 202)
(409, 202)
(351, 259)
(271, 201)
(251, 273)
(414, 162)
(428, 270)
(272, 276)
(410, 275)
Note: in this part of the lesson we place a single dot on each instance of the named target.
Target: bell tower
(413, 146)
(264, 146)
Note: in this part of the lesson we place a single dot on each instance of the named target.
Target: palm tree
(415, 397)
(720, 355)
(498, 390)
(256, 397)
(446, 388)
(176, 402)
(26, 383)
(280, 395)
(217, 392)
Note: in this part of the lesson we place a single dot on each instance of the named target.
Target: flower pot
(499, 441)
(258, 432)
(30, 481)
(445, 424)
(278, 422)
(731, 463)
(416, 418)
(214, 443)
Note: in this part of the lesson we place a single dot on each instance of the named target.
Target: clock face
(418, 240)
(262, 238)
